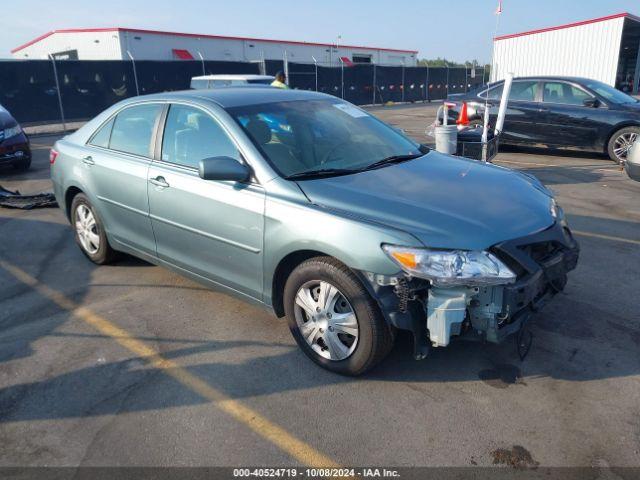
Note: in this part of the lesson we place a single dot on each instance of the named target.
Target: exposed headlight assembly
(451, 267)
(12, 132)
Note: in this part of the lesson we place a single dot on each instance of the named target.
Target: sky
(457, 30)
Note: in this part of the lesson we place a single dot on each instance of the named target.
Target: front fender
(292, 227)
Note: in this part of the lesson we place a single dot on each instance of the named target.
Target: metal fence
(43, 91)
(367, 84)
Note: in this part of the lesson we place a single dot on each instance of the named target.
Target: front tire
(89, 231)
(333, 318)
(620, 143)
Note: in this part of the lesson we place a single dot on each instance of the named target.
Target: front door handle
(159, 182)
(88, 160)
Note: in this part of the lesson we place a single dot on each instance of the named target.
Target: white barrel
(447, 139)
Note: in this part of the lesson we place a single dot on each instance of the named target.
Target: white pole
(341, 77)
(504, 103)
(315, 62)
(135, 74)
(286, 67)
(204, 72)
(55, 74)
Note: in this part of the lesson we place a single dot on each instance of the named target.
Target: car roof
(233, 77)
(230, 97)
(551, 77)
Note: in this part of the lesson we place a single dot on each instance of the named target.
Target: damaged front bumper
(435, 314)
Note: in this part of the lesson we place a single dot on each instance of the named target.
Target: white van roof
(234, 77)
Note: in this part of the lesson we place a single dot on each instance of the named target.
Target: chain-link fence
(43, 91)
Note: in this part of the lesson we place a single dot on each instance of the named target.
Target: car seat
(280, 155)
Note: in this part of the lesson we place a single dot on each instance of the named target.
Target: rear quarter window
(103, 135)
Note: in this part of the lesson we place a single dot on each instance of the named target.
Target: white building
(605, 49)
(117, 43)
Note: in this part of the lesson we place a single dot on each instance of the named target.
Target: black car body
(560, 112)
(14, 144)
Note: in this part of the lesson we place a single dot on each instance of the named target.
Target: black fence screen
(28, 88)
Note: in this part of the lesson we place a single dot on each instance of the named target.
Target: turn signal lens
(406, 259)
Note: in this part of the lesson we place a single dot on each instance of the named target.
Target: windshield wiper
(393, 159)
(324, 172)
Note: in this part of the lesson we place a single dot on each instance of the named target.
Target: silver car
(309, 206)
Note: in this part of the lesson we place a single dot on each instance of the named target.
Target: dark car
(14, 144)
(560, 112)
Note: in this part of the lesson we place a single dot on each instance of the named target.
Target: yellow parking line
(268, 430)
(606, 237)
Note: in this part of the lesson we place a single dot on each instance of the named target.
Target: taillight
(53, 154)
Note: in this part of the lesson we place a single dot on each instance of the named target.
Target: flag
(499, 9)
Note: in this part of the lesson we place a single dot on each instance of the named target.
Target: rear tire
(620, 142)
(351, 309)
(22, 165)
(89, 231)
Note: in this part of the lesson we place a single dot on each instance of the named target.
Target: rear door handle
(159, 182)
(88, 160)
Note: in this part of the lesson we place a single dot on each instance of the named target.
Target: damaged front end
(490, 300)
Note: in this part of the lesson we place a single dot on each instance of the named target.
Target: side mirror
(591, 102)
(223, 168)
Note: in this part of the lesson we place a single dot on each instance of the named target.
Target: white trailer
(605, 49)
(114, 43)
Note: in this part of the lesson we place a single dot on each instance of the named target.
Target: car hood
(444, 201)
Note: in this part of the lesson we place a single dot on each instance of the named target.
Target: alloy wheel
(622, 145)
(326, 320)
(87, 229)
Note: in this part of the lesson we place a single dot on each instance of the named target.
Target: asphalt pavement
(131, 364)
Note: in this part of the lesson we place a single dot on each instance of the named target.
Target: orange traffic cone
(463, 118)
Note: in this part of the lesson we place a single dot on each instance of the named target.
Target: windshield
(331, 136)
(261, 81)
(609, 93)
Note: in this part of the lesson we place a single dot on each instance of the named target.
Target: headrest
(259, 130)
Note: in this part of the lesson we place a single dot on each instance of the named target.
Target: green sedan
(309, 206)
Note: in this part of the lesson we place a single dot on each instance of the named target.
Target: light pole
(55, 74)
(135, 73)
(204, 72)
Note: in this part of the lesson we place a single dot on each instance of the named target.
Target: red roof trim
(569, 25)
(197, 35)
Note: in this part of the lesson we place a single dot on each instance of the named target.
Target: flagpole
(495, 34)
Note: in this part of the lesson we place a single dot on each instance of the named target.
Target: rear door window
(526, 91)
(564, 94)
(133, 129)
